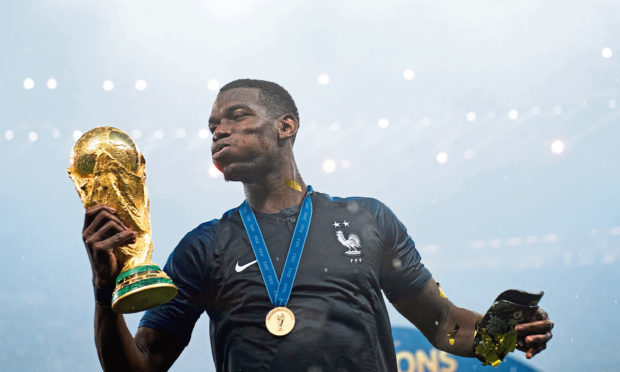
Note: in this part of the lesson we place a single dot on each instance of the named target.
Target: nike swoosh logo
(241, 268)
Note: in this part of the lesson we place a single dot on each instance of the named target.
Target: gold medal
(280, 321)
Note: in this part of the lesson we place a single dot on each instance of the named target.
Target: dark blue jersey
(356, 248)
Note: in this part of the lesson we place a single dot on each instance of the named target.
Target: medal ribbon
(279, 290)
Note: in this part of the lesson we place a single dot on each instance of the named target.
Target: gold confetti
(443, 295)
(293, 185)
(492, 350)
(452, 334)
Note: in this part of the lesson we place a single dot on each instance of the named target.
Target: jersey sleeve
(402, 270)
(186, 267)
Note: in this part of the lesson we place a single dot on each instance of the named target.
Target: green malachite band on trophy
(142, 287)
(141, 283)
(135, 270)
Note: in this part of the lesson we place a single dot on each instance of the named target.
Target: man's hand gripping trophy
(109, 176)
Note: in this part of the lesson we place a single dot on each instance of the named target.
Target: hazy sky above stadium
(489, 127)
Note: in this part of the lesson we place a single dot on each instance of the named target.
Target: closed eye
(238, 117)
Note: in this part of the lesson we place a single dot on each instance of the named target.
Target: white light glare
(531, 239)
(470, 116)
(513, 241)
(213, 85)
(32, 136)
(323, 79)
(335, 126)
(557, 110)
(606, 52)
(180, 133)
(431, 248)
(513, 114)
(612, 103)
(535, 110)
(140, 84)
(214, 172)
(345, 164)
(108, 85)
(77, 134)
(426, 121)
(557, 147)
(203, 133)
(136, 133)
(9, 135)
(409, 74)
(329, 166)
(608, 259)
(312, 126)
(28, 83)
(383, 123)
(52, 84)
(478, 244)
(550, 238)
(159, 134)
(468, 155)
(55, 133)
(442, 158)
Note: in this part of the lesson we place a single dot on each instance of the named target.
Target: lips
(217, 147)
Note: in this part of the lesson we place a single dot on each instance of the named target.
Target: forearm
(456, 332)
(116, 347)
(451, 328)
(118, 350)
(440, 320)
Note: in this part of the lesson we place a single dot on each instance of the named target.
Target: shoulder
(353, 203)
(368, 210)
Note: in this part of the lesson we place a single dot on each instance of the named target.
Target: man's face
(244, 137)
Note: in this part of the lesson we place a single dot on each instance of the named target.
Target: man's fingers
(124, 237)
(537, 340)
(110, 228)
(533, 336)
(94, 217)
(536, 327)
(533, 340)
(93, 211)
(100, 219)
(534, 344)
(533, 351)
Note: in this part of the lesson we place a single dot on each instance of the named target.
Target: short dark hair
(272, 96)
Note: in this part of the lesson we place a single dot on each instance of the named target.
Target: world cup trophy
(107, 168)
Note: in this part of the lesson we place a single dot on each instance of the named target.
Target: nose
(222, 130)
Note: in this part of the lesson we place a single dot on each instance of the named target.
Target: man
(329, 298)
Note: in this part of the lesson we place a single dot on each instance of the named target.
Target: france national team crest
(351, 242)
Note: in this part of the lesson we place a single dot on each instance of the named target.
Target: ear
(287, 127)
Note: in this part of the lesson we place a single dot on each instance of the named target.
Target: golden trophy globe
(107, 168)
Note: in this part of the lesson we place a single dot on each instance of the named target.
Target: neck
(274, 191)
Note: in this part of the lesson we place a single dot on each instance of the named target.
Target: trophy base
(141, 288)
